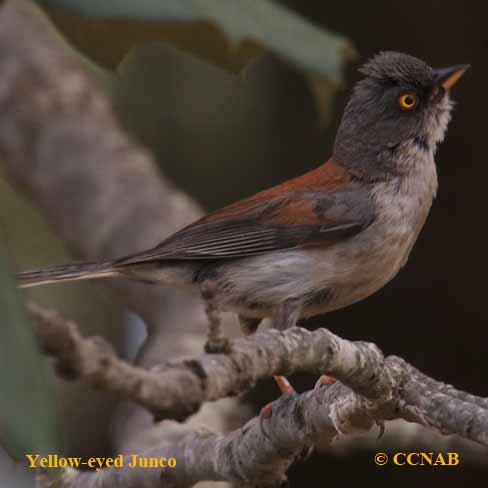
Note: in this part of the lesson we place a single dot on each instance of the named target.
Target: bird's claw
(265, 414)
(324, 380)
(284, 385)
(286, 389)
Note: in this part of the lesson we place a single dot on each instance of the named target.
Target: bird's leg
(286, 316)
(250, 326)
(216, 342)
(324, 380)
(284, 385)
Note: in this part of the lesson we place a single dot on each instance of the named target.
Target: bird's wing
(319, 208)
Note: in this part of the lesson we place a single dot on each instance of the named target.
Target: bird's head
(399, 110)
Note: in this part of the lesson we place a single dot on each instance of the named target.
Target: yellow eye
(408, 101)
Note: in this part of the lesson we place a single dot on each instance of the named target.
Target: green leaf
(27, 406)
(260, 115)
(285, 33)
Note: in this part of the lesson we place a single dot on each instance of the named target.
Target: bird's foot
(286, 389)
(284, 385)
(324, 380)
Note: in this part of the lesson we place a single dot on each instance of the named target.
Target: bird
(326, 239)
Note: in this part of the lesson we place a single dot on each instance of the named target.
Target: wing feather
(285, 217)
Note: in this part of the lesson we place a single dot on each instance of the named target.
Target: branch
(176, 390)
(370, 390)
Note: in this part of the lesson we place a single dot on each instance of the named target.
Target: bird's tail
(69, 272)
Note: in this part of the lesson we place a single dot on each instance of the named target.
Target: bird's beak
(448, 77)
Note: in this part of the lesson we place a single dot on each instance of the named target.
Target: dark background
(220, 139)
(434, 312)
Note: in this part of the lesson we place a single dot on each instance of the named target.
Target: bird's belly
(321, 279)
(362, 267)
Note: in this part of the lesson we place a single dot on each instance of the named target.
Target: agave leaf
(287, 34)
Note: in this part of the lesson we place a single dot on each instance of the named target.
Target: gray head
(401, 107)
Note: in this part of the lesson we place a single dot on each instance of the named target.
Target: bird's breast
(371, 259)
(326, 278)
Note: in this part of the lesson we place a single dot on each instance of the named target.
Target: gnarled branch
(370, 390)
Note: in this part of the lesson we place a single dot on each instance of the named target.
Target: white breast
(371, 259)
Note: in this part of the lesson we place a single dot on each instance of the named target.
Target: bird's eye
(408, 101)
